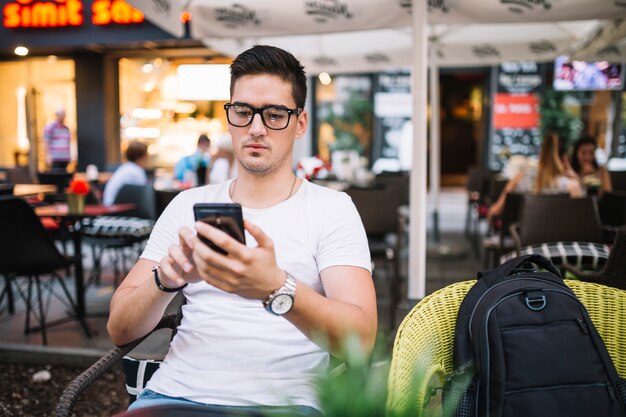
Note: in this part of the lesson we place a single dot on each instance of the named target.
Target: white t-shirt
(128, 173)
(229, 350)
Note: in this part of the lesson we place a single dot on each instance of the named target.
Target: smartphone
(225, 216)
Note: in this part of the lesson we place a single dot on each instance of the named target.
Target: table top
(91, 210)
(23, 190)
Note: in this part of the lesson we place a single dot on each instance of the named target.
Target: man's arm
(349, 307)
(137, 305)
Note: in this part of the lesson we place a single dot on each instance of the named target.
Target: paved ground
(442, 269)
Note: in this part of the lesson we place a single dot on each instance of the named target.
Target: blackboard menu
(515, 112)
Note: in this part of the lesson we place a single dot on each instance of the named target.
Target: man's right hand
(178, 267)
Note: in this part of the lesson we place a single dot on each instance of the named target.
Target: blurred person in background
(593, 178)
(552, 175)
(56, 136)
(223, 165)
(131, 172)
(196, 164)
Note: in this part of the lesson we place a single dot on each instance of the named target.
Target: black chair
(60, 179)
(122, 235)
(19, 175)
(613, 208)
(398, 181)
(501, 241)
(27, 250)
(618, 180)
(546, 220)
(163, 198)
(613, 274)
(483, 189)
(72, 392)
(378, 207)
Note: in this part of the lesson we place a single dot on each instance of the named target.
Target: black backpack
(524, 346)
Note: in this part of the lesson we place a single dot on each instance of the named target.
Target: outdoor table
(25, 190)
(583, 255)
(74, 222)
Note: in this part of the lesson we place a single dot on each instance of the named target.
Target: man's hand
(178, 268)
(249, 272)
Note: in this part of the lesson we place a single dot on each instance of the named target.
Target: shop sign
(66, 13)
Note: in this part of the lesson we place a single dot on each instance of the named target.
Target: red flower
(80, 187)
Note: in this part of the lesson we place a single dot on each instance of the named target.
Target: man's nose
(257, 128)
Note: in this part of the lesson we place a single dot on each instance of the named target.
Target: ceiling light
(21, 51)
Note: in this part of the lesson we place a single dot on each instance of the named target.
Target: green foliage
(556, 118)
(358, 387)
(353, 123)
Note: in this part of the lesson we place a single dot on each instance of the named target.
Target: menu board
(393, 109)
(515, 112)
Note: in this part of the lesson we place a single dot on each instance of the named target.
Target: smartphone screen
(224, 216)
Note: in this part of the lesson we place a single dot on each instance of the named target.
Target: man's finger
(259, 235)
(220, 238)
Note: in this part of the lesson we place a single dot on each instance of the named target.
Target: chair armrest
(586, 276)
(72, 392)
(515, 234)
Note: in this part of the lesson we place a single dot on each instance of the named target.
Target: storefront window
(156, 107)
(32, 91)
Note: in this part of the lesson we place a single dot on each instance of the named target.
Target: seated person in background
(131, 172)
(593, 178)
(550, 177)
(223, 165)
(196, 163)
(259, 321)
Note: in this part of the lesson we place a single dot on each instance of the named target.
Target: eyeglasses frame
(259, 110)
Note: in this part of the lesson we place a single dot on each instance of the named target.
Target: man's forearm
(137, 306)
(330, 322)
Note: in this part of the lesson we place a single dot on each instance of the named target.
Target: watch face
(281, 304)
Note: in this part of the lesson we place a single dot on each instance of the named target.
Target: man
(56, 137)
(196, 163)
(235, 346)
(131, 172)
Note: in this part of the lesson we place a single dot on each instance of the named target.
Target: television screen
(582, 75)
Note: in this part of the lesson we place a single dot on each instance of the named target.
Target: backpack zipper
(606, 385)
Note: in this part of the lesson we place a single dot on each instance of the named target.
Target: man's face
(258, 149)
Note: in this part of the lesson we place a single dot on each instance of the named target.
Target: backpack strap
(509, 267)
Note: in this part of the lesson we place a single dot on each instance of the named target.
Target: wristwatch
(281, 301)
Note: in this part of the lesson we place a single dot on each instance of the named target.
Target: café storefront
(112, 71)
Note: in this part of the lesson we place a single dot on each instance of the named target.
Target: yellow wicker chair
(422, 352)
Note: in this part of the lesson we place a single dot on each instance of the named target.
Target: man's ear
(303, 122)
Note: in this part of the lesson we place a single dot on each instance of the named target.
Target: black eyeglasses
(275, 118)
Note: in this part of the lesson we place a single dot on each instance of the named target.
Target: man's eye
(276, 114)
(243, 112)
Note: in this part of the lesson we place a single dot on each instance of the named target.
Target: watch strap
(288, 288)
(160, 286)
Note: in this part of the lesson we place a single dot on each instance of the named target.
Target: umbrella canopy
(373, 35)
(450, 45)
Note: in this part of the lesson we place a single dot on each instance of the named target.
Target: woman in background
(593, 178)
(550, 177)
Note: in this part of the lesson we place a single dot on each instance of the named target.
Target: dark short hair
(265, 59)
(136, 150)
(585, 140)
(202, 139)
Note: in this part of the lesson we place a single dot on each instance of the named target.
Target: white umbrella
(232, 26)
